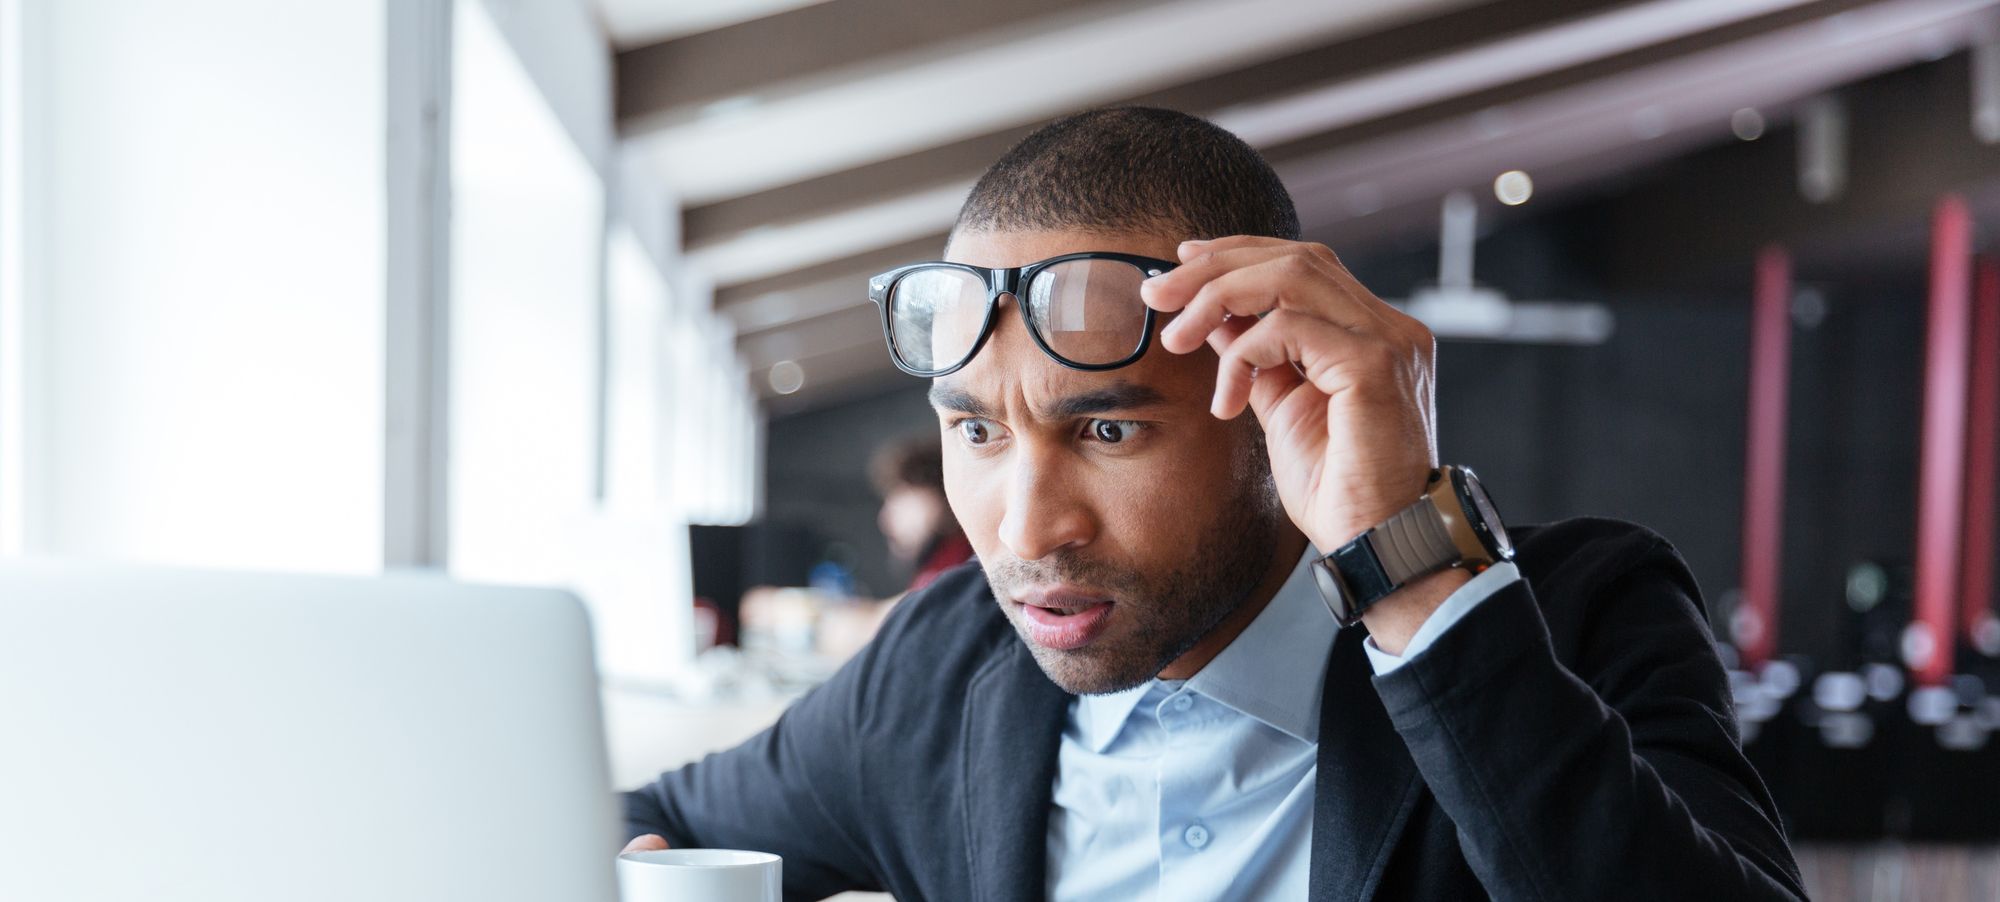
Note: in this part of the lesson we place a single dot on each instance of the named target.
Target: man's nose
(1045, 512)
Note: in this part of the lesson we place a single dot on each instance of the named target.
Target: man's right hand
(648, 843)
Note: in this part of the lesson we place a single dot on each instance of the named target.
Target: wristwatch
(1454, 524)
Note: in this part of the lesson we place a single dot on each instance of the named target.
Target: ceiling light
(786, 377)
(1747, 123)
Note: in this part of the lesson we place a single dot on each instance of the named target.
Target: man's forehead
(1009, 371)
(1019, 247)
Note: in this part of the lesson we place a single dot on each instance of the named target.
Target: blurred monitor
(727, 560)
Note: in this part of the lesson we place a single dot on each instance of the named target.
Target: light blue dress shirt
(1203, 788)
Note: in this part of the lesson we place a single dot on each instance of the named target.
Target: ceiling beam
(779, 248)
(1588, 130)
(779, 308)
(1543, 64)
(641, 23)
(1337, 130)
(894, 107)
(833, 372)
(1902, 155)
(849, 328)
(1572, 134)
(858, 267)
(671, 81)
(1343, 57)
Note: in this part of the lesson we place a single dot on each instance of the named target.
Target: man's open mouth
(1062, 618)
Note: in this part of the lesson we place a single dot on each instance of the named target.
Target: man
(1138, 692)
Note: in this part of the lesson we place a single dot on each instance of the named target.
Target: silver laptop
(174, 736)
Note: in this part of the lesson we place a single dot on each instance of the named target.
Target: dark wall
(1650, 427)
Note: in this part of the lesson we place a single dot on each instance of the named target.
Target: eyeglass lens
(1089, 311)
(1086, 311)
(935, 315)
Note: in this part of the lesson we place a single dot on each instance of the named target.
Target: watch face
(1489, 526)
(1333, 593)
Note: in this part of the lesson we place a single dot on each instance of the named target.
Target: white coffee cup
(699, 875)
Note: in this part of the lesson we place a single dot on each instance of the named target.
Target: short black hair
(1132, 169)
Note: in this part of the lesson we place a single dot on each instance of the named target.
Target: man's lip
(1060, 598)
(1063, 617)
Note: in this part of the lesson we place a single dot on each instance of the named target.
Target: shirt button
(1196, 835)
(1183, 702)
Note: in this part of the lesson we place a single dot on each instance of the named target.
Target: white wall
(13, 396)
(555, 320)
(565, 53)
(636, 565)
(204, 268)
(526, 262)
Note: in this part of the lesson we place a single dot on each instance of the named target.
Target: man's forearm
(1559, 796)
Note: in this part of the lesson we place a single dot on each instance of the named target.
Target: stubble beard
(1167, 613)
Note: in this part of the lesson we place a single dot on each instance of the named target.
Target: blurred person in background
(1137, 690)
(915, 518)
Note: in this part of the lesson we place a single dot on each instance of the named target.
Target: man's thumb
(648, 843)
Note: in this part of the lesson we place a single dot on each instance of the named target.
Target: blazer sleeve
(1616, 775)
(790, 790)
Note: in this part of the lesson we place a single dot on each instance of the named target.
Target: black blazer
(1571, 738)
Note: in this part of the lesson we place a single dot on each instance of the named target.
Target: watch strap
(1412, 543)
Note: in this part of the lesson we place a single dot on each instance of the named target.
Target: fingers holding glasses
(1341, 382)
(1281, 314)
(1227, 332)
(1257, 370)
(1251, 276)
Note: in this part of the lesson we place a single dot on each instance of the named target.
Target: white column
(527, 220)
(13, 248)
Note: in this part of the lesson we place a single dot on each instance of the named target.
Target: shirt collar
(1274, 671)
(1100, 717)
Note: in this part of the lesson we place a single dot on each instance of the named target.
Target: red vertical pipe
(1941, 463)
(1756, 626)
(1982, 451)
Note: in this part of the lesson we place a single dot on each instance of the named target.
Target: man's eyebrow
(946, 398)
(1120, 395)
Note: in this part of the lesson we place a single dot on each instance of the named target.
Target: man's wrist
(1337, 528)
(1394, 619)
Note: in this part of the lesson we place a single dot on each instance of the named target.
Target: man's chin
(1086, 671)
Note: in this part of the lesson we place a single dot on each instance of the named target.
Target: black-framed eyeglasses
(1083, 310)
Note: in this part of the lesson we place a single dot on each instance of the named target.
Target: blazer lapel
(1013, 721)
(1367, 783)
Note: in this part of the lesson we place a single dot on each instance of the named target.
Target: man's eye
(975, 432)
(1112, 432)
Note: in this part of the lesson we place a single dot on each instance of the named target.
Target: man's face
(1117, 520)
